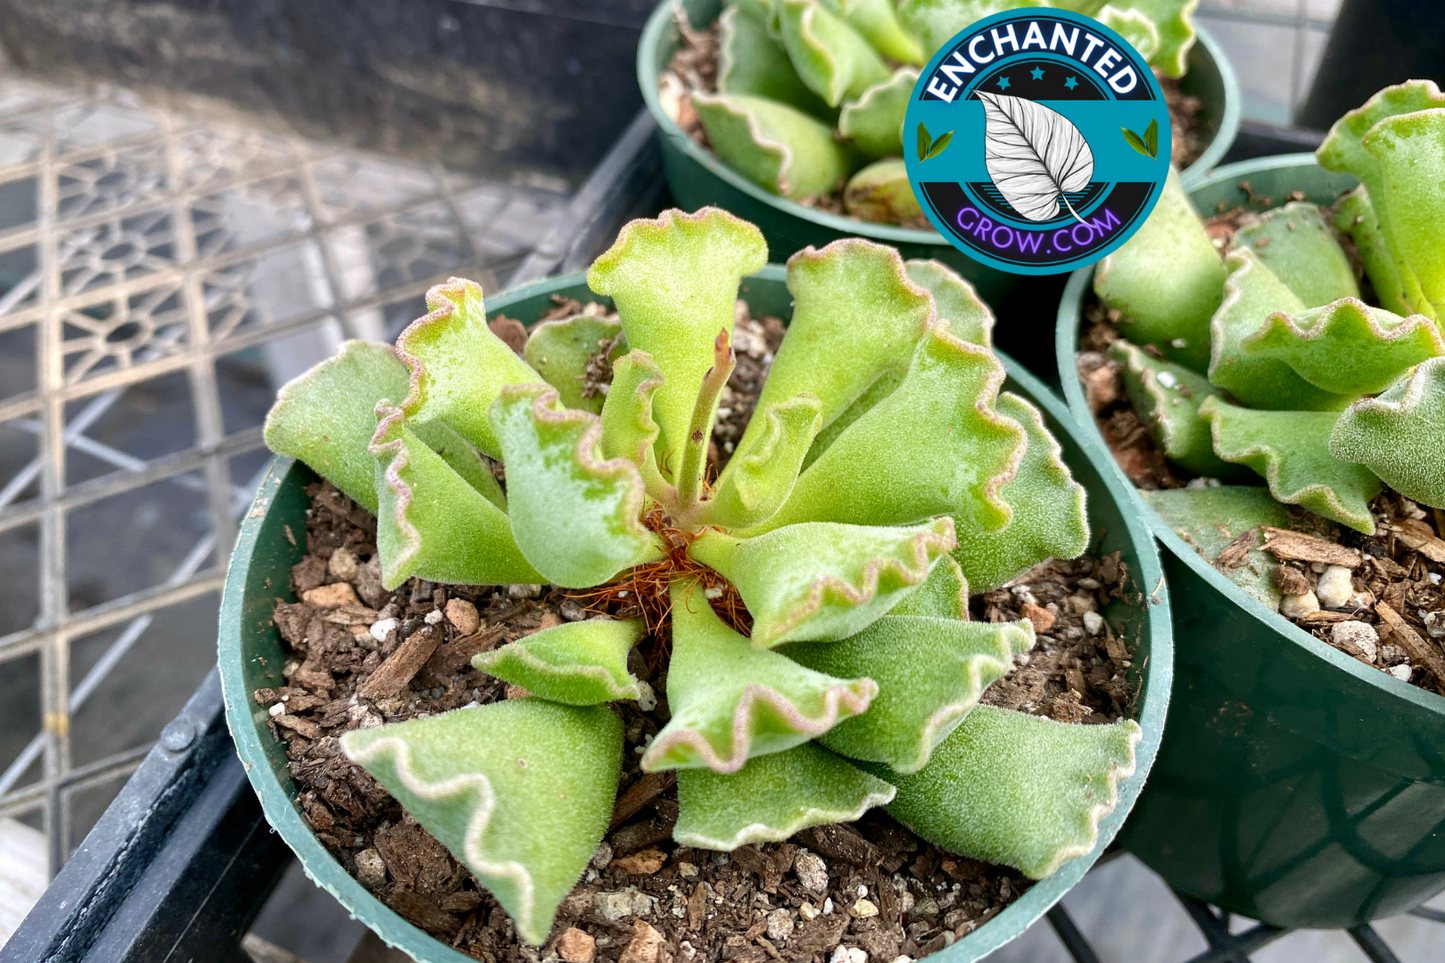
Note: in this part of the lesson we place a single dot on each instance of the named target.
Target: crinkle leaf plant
(1268, 361)
(811, 93)
(882, 477)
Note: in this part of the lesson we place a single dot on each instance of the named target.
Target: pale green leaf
(574, 515)
(675, 283)
(430, 523)
(830, 56)
(1017, 789)
(935, 22)
(1252, 294)
(762, 472)
(772, 797)
(930, 674)
(1299, 248)
(935, 446)
(731, 701)
(1291, 450)
(959, 307)
(752, 62)
(519, 791)
(874, 122)
(1167, 397)
(1139, 32)
(628, 430)
(777, 147)
(1210, 519)
(1173, 21)
(1401, 434)
(823, 580)
(877, 22)
(1411, 162)
(576, 663)
(1047, 505)
(1355, 217)
(559, 352)
(881, 194)
(457, 365)
(1347, 347)
(1166, 280)
(943, 595)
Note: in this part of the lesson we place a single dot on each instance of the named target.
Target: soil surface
(363, 656)
(694, 67)
(1387, 609)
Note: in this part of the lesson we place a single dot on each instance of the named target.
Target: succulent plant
(1268, 359)
(811, 600)
(811, 94)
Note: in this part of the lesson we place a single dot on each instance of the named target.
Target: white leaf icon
(1034, 155)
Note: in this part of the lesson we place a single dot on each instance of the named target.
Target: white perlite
(1334, 589)
(1093, 623)
(1298, 606)
(1357, 638)
(780, 925)
(812, 871)
(848, 954)
(1401, 672)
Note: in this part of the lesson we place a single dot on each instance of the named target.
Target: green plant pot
(251, 653)
(1296, 785)
(697, 178)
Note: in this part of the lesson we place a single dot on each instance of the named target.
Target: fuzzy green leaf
(1166, 280)
(775, 146)
(930, 674)
(574, 515)
(959, 307)
(752, 62)
(1355, 217)
(934, 446)
(823, 580)
(1291, 450)
(1018, 789)
(830, 56)
(1252, 294)
(675, 283)
(1047, 505)
(773, 797)
(457, 365)
(326, 418)
(1137, 30)
(1344, 150)
(1299, 248)
(855, 315)
(731, 701)
(874, 122)
(576, 663)
(519, 791)
(1210, 519)
(559, 351)
(762, 473)
(431, 523)
(1174, 23)
(944, 595)
(1347, 347)
(881, 193)
(935, 22)
(628, 430)
(1167, 397)
(1401, 434)
(877, 22)
(1407, 149)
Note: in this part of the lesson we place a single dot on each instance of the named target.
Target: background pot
(697, 178)
(251, 653)
(1296, 785)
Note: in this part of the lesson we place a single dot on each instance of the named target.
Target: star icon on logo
(1003, 83)
(1038, 73)
(1071, 83)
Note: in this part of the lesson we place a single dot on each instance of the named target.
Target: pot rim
(647, 72)
(1070, 315)
(322, 868)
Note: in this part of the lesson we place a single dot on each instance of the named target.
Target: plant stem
(694, 450)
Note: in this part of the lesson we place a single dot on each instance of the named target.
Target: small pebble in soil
(812, 871)
(342, 564)
(463, 616)
(1334, 588)
(1401, 672)
(1298, 606)
(1357, 638)
(576, 946)
(370, 869)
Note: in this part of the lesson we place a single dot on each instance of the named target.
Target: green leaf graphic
(939, 145)
(1151, 138)
(924, 142)
(1136, 142)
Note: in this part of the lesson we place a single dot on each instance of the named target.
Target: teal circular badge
(1037, 140)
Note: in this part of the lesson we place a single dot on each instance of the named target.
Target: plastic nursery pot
(1296, 785)
(251, 653)
(697, 178)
